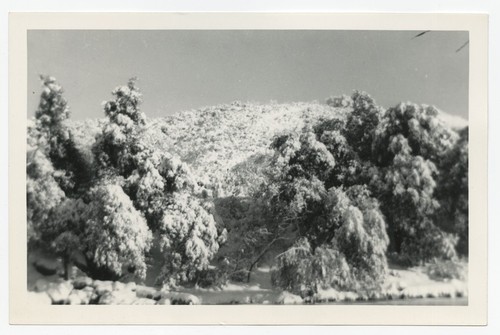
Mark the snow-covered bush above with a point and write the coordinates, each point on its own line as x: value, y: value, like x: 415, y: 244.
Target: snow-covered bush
x: 408, y: 201
x: 163, y: 188
x: 446, y: 270
x: 294, y: 272
x: 301, y: 271
x: 298, y: 170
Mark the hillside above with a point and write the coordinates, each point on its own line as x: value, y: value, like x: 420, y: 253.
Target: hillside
x: 224, y: 145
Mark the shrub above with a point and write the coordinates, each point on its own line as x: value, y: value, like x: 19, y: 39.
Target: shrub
x: 446, y: 270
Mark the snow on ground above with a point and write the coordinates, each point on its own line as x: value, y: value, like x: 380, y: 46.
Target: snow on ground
x: 405, y: 285
x: 402, y: 286
x: 258, y: 291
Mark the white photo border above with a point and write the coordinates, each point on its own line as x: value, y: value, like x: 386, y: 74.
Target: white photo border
x: 475, y: 313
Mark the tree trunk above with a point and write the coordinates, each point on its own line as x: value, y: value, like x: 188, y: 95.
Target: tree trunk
x: 67, y: 266
x: 266, y: 249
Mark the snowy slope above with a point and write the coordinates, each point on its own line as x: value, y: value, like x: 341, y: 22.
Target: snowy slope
x: 225, y: 145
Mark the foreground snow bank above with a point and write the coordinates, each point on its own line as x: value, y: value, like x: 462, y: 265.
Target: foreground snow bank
x: 402, y: 286
x: 85, y: 291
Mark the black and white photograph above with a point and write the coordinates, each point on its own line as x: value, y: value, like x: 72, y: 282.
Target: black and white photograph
x: 305, y: 167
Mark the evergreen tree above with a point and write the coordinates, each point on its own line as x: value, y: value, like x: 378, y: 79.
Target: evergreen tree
x: 115, y: 147
x: 159, y: 186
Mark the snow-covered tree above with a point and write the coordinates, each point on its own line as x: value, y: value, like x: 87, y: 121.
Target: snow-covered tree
x: 55, y: 168
x: 114, y: 147
x: 160, y: 186
x: 354, y: 258
x: 453, y: 191
x: 64, y: 232
x: 298, y: 170
x: 52, y: 111
x: 341, y: 235
x: 362, y: 124
x: 426, y: 134
x: 42, y: 189
x: 407, y: 193
x: 105, y: 228
x: 116, y: 235
x: 188, y: 239
x: 56, y: 140
x: 410, y: 145
x: 362, y: 236
x: 348, y: 169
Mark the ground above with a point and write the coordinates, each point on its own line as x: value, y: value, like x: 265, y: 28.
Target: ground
x: 412, y: 286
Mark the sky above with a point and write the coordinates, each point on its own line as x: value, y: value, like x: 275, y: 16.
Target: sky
x: 188, y: 69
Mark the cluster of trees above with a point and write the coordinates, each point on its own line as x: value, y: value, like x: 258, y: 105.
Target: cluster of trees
x: 114, y: 206
x: 327, y: 205
x: 357, y: 189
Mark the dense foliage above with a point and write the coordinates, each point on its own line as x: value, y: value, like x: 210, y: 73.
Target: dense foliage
x: 353, y: 257
x: 400, y: 161
x: 136, y: 196
x: 325, y: 194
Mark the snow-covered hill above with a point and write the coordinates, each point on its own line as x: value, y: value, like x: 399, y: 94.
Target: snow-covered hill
x: 215, y: 140
x: 222, y: 143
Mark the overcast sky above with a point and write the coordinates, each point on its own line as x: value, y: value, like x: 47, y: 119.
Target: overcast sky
x: 181, y: 70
